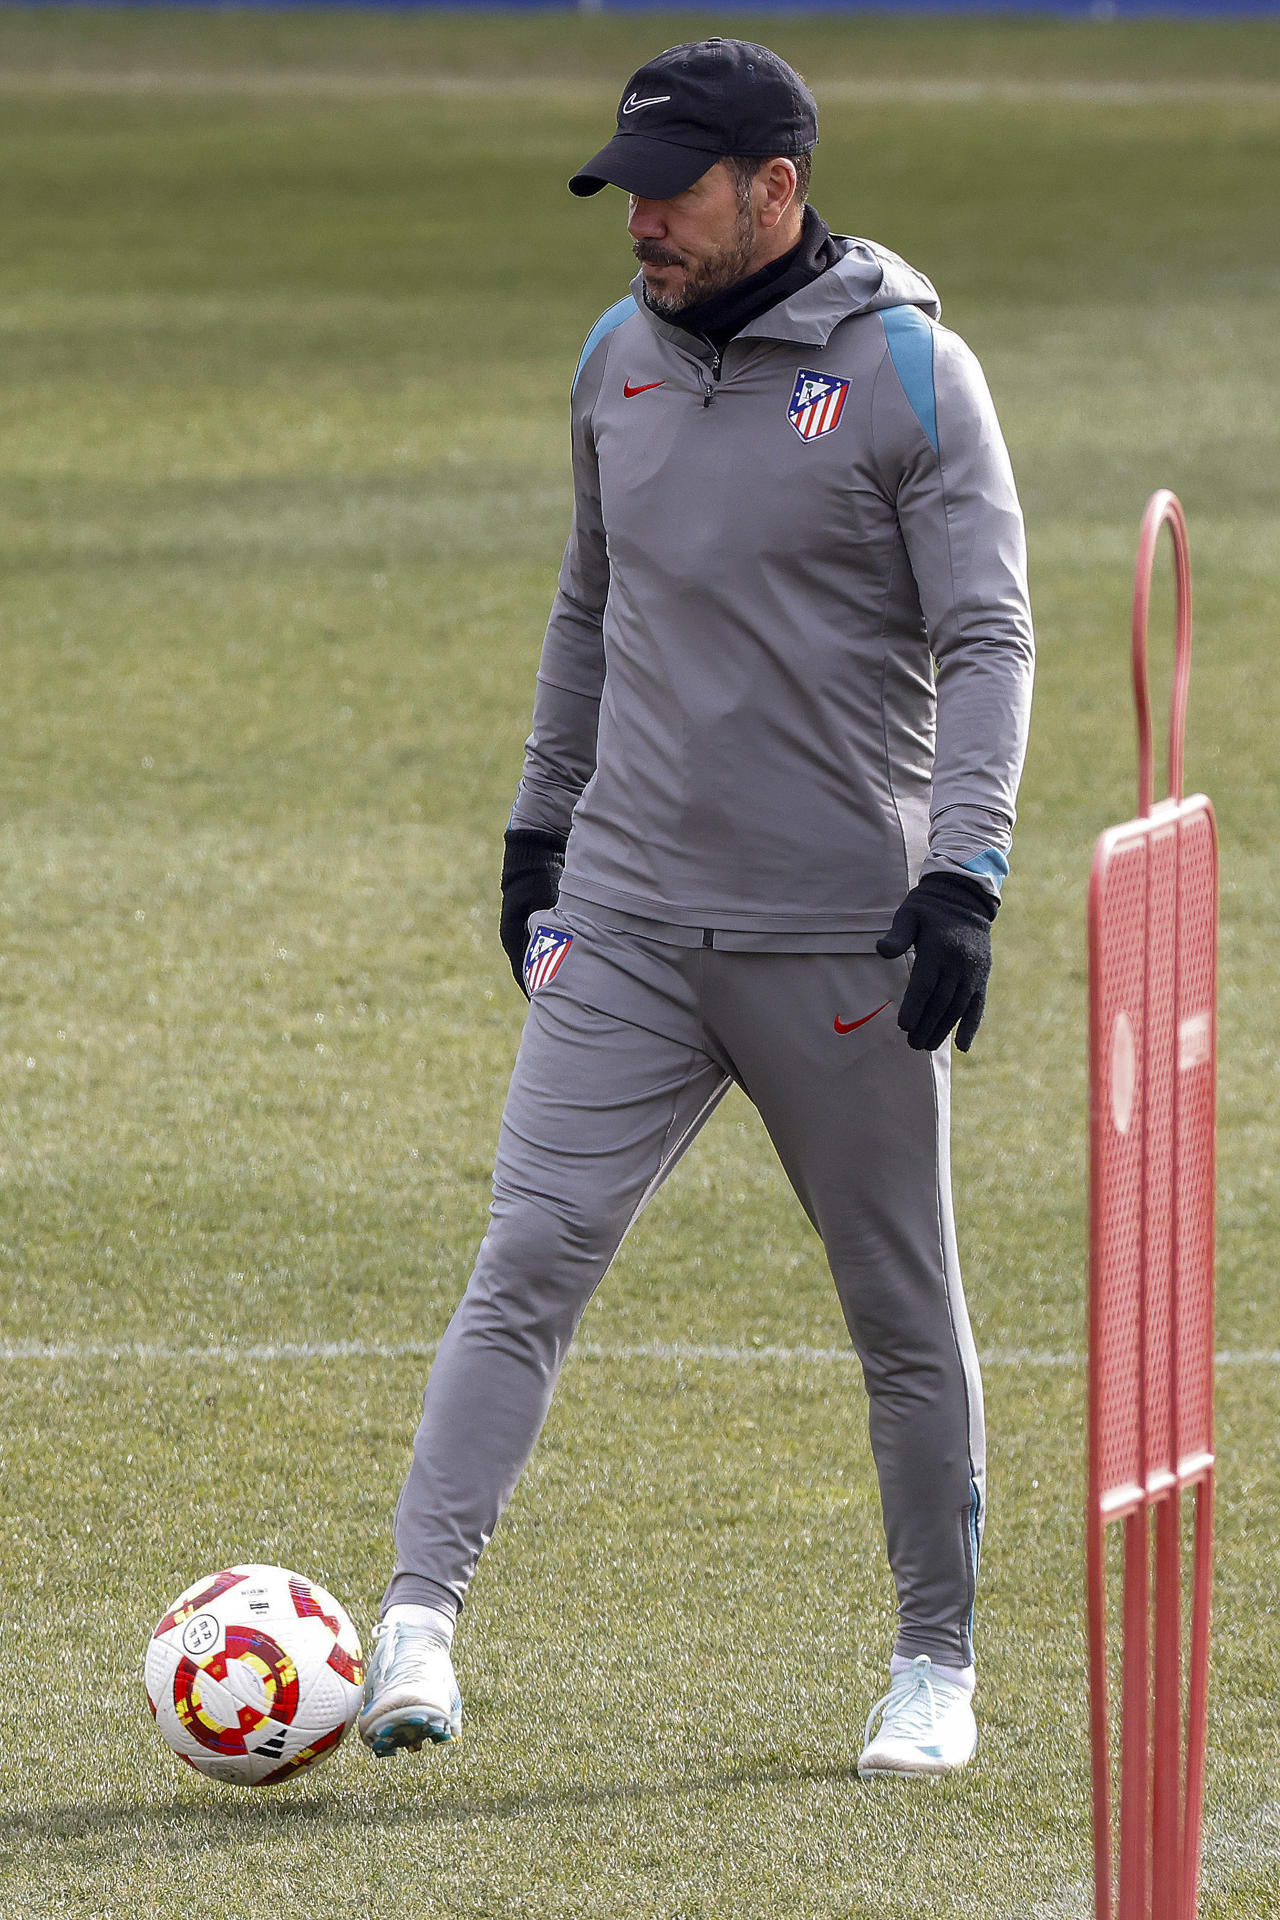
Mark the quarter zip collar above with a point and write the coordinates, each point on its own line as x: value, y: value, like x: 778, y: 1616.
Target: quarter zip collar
x: 721, y: 317
x: 864, y: 279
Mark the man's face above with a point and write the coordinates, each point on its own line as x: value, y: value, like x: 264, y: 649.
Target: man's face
x: 696, y: 244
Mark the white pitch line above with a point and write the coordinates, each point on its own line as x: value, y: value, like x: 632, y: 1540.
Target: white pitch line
x: 804, y: 1356
x: 1071, y: 1902
x: 303, y: 83
x: 1227, y: 1852
x: 249, y: 1352
x: 1255, y: 1844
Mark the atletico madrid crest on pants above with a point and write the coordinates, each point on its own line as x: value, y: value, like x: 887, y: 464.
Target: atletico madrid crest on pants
x: 817, y: 401
x: 547, y: 949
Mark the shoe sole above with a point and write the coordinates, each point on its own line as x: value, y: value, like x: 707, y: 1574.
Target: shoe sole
x: 909, y: 1773
x: 408, y: 1732
x: 938, y: 1771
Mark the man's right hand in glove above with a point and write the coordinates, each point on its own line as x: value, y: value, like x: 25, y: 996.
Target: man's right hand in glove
x: 531, y: 869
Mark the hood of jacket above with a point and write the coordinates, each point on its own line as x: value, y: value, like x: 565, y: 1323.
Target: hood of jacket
x: 865, y: 279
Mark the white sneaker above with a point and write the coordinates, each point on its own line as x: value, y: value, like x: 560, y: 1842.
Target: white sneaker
x: 927, y: 1725
x: 410, y: 1693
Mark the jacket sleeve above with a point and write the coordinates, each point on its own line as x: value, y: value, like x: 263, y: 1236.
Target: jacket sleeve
x: 560, y: 753
x: 962, y: 526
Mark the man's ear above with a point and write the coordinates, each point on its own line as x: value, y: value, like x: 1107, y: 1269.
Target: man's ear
x: 774, y: 190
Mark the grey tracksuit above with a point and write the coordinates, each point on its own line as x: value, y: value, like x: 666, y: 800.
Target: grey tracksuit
x: 773, y: 559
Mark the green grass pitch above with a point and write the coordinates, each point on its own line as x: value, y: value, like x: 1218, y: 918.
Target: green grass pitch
x: 288, y: 310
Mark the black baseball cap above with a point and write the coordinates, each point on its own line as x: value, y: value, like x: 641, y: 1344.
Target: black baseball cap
x: 686, y: 109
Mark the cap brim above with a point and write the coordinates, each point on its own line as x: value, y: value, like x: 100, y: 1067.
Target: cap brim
x: 655, y: 169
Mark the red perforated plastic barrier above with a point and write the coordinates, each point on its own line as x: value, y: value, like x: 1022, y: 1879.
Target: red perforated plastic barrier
x: 1153, y: 968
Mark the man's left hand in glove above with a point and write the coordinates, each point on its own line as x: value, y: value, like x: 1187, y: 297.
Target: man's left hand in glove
x: 948, y: 922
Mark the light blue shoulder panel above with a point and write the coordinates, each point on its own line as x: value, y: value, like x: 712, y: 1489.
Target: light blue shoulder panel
x: 910, y: 337
x: 621, y: 311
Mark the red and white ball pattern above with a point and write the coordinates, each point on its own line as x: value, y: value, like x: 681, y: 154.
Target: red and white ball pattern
x: 253, y: 1674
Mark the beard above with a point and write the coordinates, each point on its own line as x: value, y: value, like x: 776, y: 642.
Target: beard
x: 713, y: 274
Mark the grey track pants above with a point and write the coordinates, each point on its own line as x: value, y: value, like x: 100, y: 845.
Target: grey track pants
x: 627, y: 1049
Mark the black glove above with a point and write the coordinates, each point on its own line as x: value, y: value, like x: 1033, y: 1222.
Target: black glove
x: 531, y: 869
x: 948, y: 922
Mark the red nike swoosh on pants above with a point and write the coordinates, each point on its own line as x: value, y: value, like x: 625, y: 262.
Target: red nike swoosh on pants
x: 630, y: 392
x: 842, y: 1027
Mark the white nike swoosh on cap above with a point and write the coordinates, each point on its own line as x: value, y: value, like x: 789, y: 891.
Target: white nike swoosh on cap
x: 632, y: 105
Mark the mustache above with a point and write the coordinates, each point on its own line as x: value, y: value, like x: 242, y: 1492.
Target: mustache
x: 651, y: 253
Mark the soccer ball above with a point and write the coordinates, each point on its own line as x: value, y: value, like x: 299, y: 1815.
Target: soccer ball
x: 253, y: 1674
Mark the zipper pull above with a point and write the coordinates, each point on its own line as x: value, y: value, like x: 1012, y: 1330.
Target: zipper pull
x: 708, y: 390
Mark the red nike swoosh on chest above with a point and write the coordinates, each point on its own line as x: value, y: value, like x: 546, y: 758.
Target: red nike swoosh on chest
x: 847, y: 1027
x: 630, y: 392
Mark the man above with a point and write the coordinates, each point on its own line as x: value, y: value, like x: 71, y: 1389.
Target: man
x: 795, y: 536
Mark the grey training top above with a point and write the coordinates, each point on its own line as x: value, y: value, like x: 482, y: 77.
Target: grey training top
x: 772, y: 562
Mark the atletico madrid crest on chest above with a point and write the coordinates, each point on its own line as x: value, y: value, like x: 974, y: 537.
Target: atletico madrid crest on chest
x: 817, y: 401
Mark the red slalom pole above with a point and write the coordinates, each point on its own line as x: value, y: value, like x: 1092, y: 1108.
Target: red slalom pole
x: 1198, y: 1704
x: 1152, y: 1111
